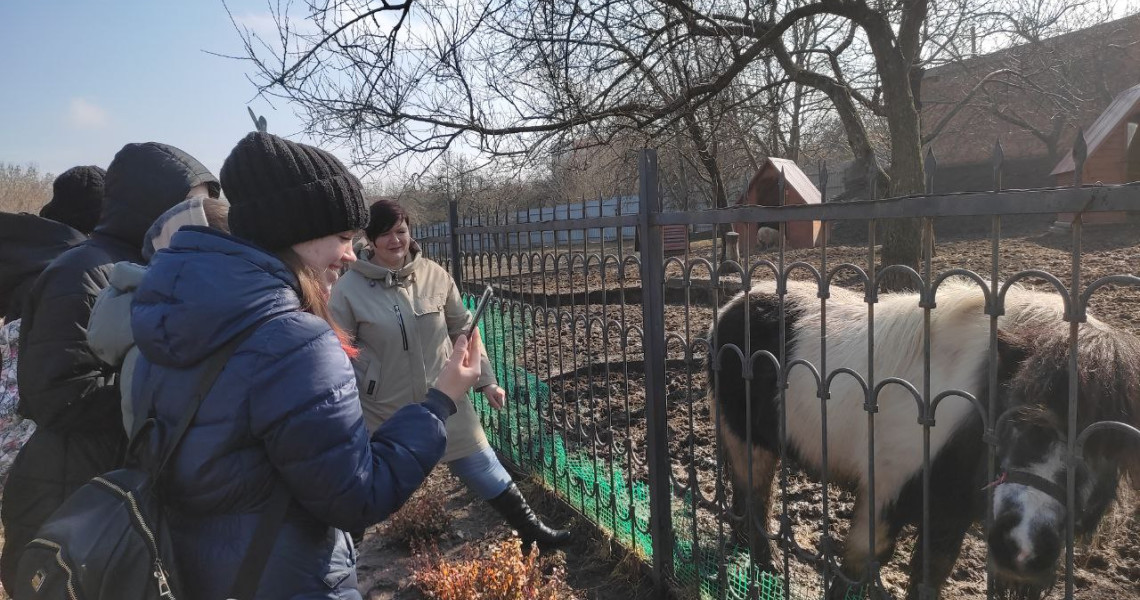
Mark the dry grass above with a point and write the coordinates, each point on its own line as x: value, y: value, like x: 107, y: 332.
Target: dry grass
x: 504, y: 574
x: 421, y: 520
x: 1120, y: 529
x: 23, y: 189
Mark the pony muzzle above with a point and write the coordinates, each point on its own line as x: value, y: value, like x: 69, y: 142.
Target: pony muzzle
x: 1025, y: 548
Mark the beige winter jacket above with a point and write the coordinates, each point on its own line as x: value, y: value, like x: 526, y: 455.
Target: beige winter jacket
x: 405, y: 322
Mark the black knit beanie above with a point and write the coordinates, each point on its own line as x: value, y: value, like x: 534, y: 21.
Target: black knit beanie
x: 77, y: 198
x: 283, y: 193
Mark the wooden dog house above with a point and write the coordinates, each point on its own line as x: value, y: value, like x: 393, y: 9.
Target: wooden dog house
x: 1113, y: 142
x: 763, y: 189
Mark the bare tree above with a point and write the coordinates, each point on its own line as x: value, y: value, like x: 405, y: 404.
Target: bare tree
x: 523, y: 80
x: 23, y: 189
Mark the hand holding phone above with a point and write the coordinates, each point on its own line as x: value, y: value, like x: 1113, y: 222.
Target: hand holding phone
x: 484, y: 300
x: 462, y: 370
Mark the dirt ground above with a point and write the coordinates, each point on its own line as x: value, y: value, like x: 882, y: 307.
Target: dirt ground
x: 596, y: 379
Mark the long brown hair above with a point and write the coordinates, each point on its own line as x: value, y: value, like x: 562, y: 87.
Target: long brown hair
x: 315, y: 298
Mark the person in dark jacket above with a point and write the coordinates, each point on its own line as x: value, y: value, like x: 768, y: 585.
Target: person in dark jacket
x: 72, y: 396
x: 28, y: 243
x: 286, y: 408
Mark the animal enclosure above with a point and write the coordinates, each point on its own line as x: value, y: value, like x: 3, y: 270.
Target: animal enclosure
x: 606, y: 356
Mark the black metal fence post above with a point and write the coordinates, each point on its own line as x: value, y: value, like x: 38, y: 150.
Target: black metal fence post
x: 656, y: 410
x: 453, y: 219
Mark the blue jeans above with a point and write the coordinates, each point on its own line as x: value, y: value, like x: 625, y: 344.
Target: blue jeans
x: 482, y: 473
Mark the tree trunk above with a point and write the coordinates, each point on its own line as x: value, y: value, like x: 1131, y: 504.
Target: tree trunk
x: 894, y: 58
x: 708, y: 159
x: 902, y: 238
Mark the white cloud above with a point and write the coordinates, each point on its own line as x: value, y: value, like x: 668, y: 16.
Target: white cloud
x: 84, y: 114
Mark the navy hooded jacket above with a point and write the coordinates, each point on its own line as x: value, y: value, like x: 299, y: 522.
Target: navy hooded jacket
x: 285, y: 408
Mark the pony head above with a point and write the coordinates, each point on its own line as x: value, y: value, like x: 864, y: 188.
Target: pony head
x: 1034, y: 449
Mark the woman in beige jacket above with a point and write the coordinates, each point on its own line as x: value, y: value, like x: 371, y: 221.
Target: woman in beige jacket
x: 405, y: 311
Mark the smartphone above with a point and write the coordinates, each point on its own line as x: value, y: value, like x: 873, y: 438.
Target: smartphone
x: 479, y: 310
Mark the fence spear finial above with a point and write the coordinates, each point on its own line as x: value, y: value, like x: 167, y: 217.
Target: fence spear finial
x: 823, y: 181
x: 930, y: 165
x: 1080, y: 154
x: 781, y: 185
x: 998, y: 159
x: 873, y: 177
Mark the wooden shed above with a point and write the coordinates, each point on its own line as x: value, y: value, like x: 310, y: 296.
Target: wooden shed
x: 763, y: 189
x: 1113, y: 154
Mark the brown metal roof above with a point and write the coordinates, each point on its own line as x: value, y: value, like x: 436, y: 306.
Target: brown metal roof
x: 1121, y: 108
x: 796, y: 179
x: 1101, y: 61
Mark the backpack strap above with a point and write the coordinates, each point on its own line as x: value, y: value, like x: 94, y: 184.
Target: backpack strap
x: 214, y: 366
x: 257, y: 555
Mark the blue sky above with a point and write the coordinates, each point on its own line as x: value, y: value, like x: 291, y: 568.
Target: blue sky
x: 82, y: 78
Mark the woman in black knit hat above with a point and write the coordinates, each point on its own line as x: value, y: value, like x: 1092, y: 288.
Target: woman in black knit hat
x: 285, y: 410
x: 77, y: 198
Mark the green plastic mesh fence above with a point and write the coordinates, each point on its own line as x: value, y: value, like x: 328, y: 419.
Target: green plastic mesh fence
x: 701, y: 568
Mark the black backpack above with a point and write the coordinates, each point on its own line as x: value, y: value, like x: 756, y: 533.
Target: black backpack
x: 109, y: 539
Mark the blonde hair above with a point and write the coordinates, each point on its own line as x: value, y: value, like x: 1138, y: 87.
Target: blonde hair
x: 217, y: 214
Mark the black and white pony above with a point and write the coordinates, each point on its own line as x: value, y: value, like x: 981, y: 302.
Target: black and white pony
x: 1027, y: 536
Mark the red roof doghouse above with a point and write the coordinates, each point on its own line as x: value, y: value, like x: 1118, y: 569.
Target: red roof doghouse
x: 1113, y: 154
x: 763, y: 190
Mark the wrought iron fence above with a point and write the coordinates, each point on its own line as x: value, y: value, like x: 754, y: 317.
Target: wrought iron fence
x: 609, y: 402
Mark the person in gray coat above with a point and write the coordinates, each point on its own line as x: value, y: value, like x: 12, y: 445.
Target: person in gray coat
x: 109, y: 331
x: 405, y: 311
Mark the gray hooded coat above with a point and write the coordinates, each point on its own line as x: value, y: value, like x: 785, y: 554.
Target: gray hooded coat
x: 109, y: 330
x: 404, y: 323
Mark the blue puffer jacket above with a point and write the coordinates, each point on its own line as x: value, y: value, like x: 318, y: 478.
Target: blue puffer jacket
x: 285, y: 408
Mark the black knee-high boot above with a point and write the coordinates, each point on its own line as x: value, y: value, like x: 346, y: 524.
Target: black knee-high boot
x: 521, y: 517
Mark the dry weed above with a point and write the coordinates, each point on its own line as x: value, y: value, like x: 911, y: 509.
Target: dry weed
x: 419, y: 523
x: 505, y: 574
